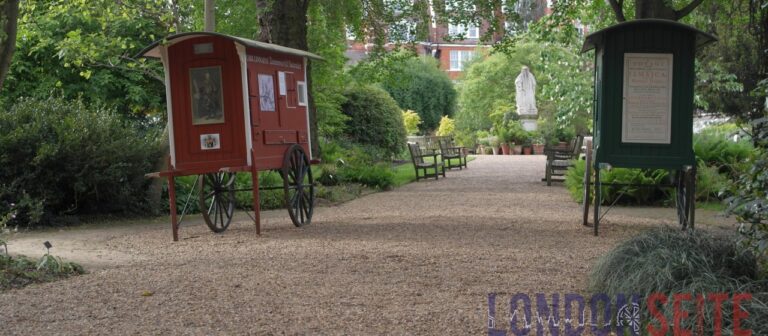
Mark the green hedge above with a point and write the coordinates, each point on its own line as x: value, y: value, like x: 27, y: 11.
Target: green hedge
x: 61, y: 158
x: 374, y: 119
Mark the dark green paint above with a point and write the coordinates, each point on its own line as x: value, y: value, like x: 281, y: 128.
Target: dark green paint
x: 644, y: 36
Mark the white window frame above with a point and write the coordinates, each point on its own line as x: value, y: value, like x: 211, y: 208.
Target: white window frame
x: 301, y: 92
x: 459, y: 57
x: 471, y: 32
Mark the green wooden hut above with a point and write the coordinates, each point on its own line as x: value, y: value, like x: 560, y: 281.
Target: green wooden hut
x: 643, y: 100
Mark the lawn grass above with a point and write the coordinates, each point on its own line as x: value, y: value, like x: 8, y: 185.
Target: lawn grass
x: 20, y: 271
x: 405, y: 173
x: 714, y: 206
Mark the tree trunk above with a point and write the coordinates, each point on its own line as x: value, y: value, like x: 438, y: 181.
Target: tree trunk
x: 9, y: 15
x: 209, y: 16
x: 654, y: 9
x: 285, y: 23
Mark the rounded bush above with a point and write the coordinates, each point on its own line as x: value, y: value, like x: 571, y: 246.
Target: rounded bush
x: 59, y: 157
x: 374, y: 118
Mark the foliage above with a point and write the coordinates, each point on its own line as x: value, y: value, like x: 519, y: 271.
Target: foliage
x: 729, y: 71
x: 326, y: 36
x: 378, y: 175
x: 564, y: 89
x: 574, y: 181
x: 749, y: 196
x: 447, y: 126
x: 60, y: 157
x: 84, y: 49
x: 374, y: 119
x: 416, y: 83
x: 669, y: 261
x: 411, y: 122
x: 715, y: 147
x: 17, y: 272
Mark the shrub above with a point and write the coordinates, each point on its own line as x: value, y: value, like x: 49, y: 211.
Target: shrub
x: 59, y: 157
x: 416, y: 83
x: 574, y: 182
x: 749, y: 196
x: 17, y: 272
x: 447, y: 126
x: 669, y: 261
x: 411, y: 121
x: 716, y: 149
x: 375, y: 119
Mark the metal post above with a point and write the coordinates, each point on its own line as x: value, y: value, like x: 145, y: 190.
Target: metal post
x: 587, y: 183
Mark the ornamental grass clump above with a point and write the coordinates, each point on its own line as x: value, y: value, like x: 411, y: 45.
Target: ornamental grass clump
x: 669, y: 261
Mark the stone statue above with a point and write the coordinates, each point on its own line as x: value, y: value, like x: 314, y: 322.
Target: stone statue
x: 525, y: 92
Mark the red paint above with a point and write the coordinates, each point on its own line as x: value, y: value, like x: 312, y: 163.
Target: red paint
x: 718, y: 299
x: 679, y: 314
x: 740, y: 314
x: 188, y: 152
x: 657, y: 315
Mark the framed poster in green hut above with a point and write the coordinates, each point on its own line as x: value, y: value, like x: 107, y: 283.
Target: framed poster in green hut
x: 644, y: 78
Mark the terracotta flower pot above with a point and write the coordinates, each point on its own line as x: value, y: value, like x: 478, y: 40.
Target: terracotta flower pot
x: 505, y: 148
x: 538, y: 149
x: 527, y: 150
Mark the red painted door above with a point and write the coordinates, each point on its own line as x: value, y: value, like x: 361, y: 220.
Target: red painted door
x: 206, y: 94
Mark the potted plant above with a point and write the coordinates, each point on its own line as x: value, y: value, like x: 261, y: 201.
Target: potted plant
x: 517, y: 135
x: 527, y: 144
x: 495, y: 145
x: 504, y: 135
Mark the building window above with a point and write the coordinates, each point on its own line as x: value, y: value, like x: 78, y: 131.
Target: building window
x: 462, y: 30
x: 459, y: 58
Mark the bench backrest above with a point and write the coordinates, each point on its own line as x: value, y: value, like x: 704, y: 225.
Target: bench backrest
x: 416, y: 155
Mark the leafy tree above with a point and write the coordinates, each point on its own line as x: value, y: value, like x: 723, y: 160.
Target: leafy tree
x: 84, y: 49
x: 564, y: 85
x: 416, y: 83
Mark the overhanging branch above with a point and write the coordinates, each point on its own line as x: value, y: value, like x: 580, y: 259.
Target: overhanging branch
x: 688, y: 9
x: 618, y: 10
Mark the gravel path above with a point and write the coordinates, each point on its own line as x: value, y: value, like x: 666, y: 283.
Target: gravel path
x: 418, y: 260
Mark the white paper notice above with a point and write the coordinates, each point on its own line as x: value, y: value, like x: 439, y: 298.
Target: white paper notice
x: 281, y: 82
x: 647, y: 112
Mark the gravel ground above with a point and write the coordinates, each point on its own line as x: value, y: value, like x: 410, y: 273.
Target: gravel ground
x: 418, y: 260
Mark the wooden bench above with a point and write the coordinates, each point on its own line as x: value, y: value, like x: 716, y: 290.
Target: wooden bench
x: 419, y: 164
x: 449, y: 152
x: 560, y: 158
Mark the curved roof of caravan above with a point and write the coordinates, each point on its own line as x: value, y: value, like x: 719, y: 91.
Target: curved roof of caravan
x: 152, y: 51
x: 592, y: 40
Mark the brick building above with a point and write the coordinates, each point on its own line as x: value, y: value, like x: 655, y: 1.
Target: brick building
x: 445, y: 42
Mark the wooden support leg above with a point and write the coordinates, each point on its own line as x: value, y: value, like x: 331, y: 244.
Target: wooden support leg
x: 598, y: 199
x: 692, y: 196
x: 256, y: 202
x: 172, y: 204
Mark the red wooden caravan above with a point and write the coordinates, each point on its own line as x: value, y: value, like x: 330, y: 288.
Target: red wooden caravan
x: 235, y: 105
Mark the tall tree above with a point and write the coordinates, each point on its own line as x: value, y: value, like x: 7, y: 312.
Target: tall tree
x: 9, y: 13
x: 656, y: 9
